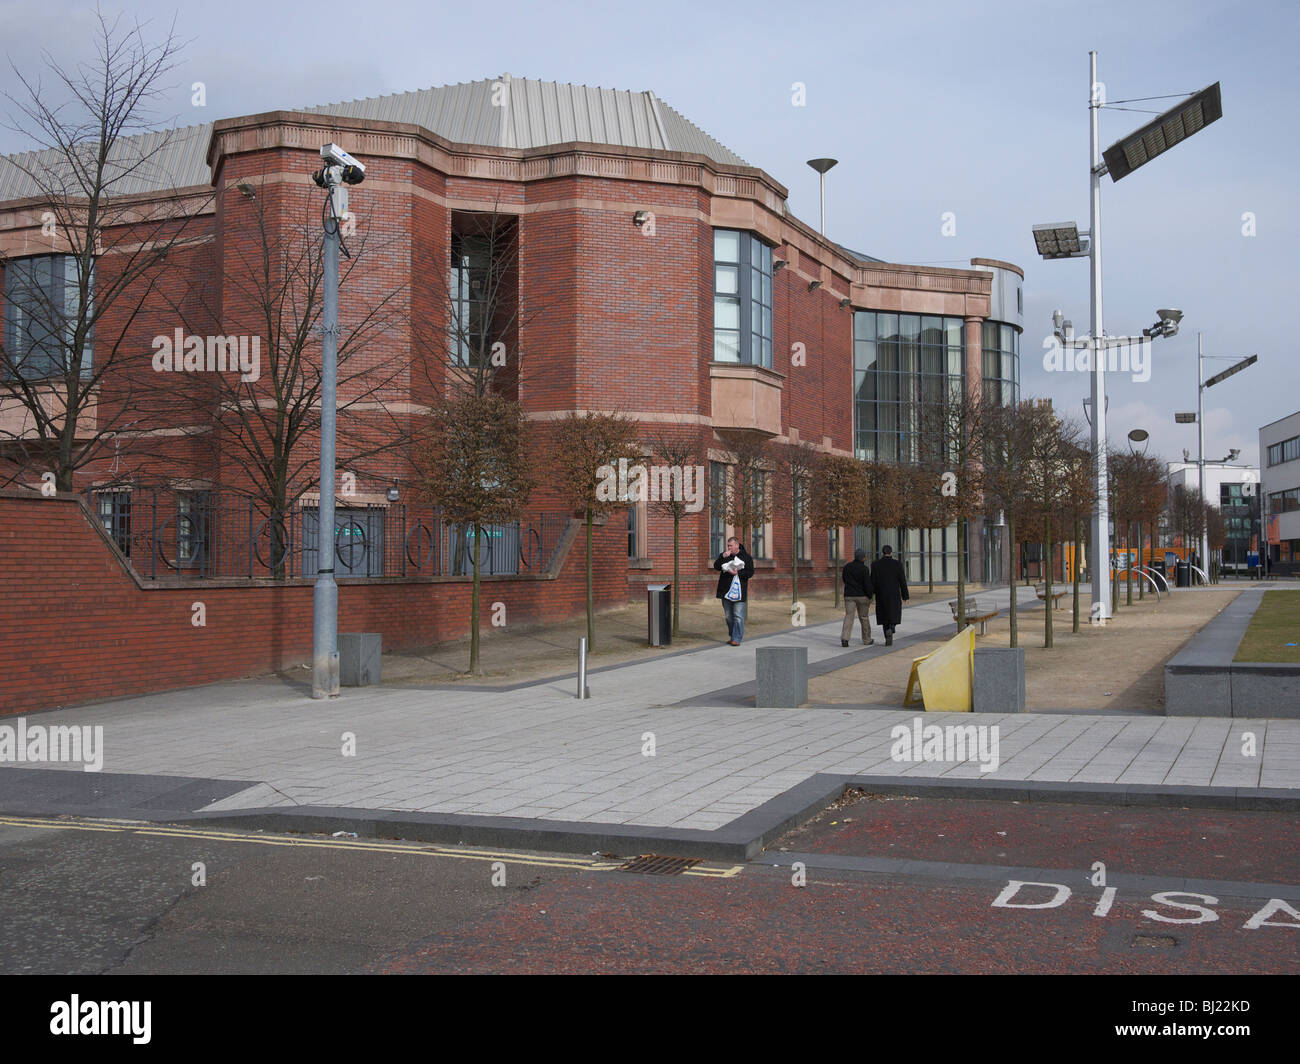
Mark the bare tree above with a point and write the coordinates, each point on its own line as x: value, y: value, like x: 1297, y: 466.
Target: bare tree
x: 953, y: 441
x: 795, y: 464
x: 679, y: 453
x: 839, y: 499
x: 1009, y: 444
x: 266, y: 423
x: 583, y: 450
x: 64, y: 361
x: 1053, y: 444
x: 746, y: 501
x: 478, y: 472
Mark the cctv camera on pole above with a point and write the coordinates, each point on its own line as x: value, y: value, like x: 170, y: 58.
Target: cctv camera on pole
x: 339, y: 171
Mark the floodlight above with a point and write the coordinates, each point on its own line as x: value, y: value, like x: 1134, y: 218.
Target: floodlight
x: 1058, y: 240
x: 1163, y: 132
x: 1185, y: 418
x: 1220, y: 377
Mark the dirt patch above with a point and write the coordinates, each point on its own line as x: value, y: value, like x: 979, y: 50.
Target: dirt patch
x: 1116, y: 666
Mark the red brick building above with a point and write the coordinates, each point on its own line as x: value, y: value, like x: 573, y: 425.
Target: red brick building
x: 656, y: 274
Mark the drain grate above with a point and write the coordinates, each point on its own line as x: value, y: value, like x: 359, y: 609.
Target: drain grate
x: 651, y: 864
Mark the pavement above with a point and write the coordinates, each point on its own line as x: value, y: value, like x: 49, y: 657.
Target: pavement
x: 668, y: 754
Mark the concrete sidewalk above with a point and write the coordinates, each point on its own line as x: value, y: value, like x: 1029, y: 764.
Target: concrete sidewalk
x: 458, y: 756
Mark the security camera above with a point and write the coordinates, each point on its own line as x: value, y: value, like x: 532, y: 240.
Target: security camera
x: 340, y: 166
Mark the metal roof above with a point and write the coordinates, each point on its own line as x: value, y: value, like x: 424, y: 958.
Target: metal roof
x: 504, y: 112
x: 510, y: 112
x: 147, y: 162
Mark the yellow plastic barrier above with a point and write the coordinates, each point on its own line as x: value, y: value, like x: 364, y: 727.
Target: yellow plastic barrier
x: 944, y: 678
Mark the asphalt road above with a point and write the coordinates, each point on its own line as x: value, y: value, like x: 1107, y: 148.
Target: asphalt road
x: 876, y: 885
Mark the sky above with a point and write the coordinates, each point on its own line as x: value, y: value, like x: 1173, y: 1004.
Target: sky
x: 943, y: 111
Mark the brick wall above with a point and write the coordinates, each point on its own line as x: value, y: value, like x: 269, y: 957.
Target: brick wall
x: 77, y: 626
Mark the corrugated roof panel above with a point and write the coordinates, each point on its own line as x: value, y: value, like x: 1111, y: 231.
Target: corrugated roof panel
x: 147, y: 162
x: 540, y: 113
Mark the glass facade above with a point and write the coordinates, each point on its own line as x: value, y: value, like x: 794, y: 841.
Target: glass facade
x: 1000, y: 347
x: 742, y: 298
x: 902, y: 363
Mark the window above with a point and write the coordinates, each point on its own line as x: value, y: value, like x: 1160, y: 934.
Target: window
x: 114, y: 510
x: 800, y: 518
x: 717, y: 508
x: 193, y: 539
x: 758, y: 534
x: 742, y: 298
x: 904, y: 365
x: 1281, y: 502
x: 1286, y: 451
x: 41, y: 310
x: 469, y: 309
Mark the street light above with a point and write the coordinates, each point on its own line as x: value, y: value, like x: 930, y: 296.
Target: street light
x: 1063, y: 240
x: 1138, y: 436
x: 1188, y: 418
x: 821, y: 166
x: 1163, y: 132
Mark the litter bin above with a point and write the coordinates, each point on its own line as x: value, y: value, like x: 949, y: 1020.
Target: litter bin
x: 1184, y: 574
x: 659, y: 610
x: 1158, y: 566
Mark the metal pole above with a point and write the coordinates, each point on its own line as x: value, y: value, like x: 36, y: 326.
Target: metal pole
x: 1200, y: 455
x: 823, y: 186
x: 583, y: 692
x: 1099, y: 548
x: 325, y: 596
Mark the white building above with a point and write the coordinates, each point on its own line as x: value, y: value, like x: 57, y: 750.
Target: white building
x: 1279, y: 450
x: 1234, y: 489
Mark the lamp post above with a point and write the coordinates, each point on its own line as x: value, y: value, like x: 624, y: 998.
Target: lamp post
x: 821, y: 166
x: 339, y: 171
x: 1064, y: 241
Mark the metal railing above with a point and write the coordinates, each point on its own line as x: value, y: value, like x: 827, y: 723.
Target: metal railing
x: 200, y: 534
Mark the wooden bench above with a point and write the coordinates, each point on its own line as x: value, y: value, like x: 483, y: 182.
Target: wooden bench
x: 1041, y: 592
x: 973, y: 614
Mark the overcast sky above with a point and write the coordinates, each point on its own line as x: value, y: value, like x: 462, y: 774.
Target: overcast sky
x: 930, y: 108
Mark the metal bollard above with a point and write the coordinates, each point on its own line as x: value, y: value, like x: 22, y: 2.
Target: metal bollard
x: 583, y: 690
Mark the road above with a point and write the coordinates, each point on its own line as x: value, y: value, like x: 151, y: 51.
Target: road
x: 872, y: 885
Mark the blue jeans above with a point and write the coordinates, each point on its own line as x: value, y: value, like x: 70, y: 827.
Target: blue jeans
x: 735, y: 614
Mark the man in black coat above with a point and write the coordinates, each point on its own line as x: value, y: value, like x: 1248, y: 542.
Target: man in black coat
x: 734, y: 562
x: 857, y: 598
x: 890, y: 585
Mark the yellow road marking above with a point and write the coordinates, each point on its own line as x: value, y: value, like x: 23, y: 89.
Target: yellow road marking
x: 144, y: 827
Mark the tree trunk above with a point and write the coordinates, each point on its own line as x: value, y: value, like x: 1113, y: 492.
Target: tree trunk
x: 1078, y: 542
x: 474, y: 668
x: 835, y: 576
x: 1128, y: 547
x: 794, y: 556
x: 1047, y: 584
x: 961, y: 573
x: 1140, y: 560
x: 677, y: 573
x: 591, y: 601
x: 1011, y: 584
x: 929, y: 561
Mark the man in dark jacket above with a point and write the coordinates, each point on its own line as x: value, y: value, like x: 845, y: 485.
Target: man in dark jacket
x: 857, y: 599
x: 890, y: 585
x: 736, y: 567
